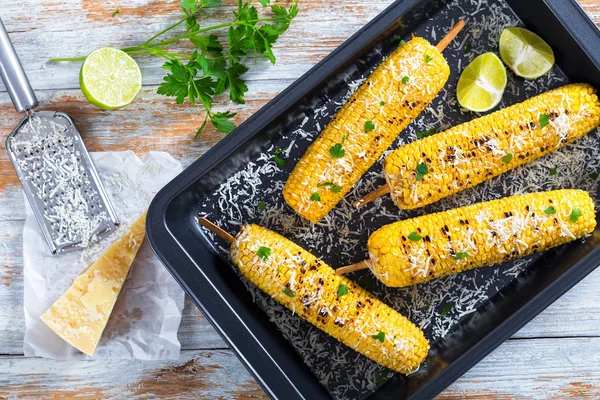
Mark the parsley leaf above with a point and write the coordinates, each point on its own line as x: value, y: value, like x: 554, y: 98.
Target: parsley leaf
x: 369, y: 126
x: 415, y: 237
x: 288, y: 292
x: 507, y: 158
x: 446, y: 309
x: 422, y: 169
x: 550, y: 210
x: 261, y: 205
x: 264, y: 3
x: 552, y: 171
x: 278, y: 160
x: 424, y: 134
x: 380, y: 336
x: 365, y: 282
x: 461, y: 255
x: 468, y: 47
x: 382, y: 103
x: 334, y: 188
x: 381, y: 376
x: 263, y: 253
x: 117, y: 12
x: 544, y: 120
x: 337, y: 151
x: 208, y: 43
x: 220, y: 120
x: 315, y: 196
x: 428, y: 58
x: 593, y: 175
x: 401, y: 43
x: 575, y: 214
x: 405, y: 80
x: 342, y: 290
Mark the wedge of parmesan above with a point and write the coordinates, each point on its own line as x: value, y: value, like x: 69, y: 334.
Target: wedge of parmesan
x: 80, y: 315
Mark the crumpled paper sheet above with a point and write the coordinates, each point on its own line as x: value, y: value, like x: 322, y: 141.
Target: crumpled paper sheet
x: 146, y: 317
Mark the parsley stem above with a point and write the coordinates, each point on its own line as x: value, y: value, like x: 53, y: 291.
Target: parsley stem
x: 57, y: 59
x: 164, y: 31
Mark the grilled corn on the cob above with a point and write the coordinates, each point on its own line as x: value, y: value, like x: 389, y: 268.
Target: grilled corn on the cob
x: 426, y: 170
x: 419, y: 249
x: 395, y: 93
x: 334, y: 304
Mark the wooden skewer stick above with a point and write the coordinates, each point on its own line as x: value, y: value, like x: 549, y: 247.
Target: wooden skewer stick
x: 385, y: 189
x: 450, y: 35
x: 351, y: 268
x: 216, y: 230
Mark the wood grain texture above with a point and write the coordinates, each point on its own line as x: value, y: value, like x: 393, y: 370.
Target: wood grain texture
x: 556, y: 355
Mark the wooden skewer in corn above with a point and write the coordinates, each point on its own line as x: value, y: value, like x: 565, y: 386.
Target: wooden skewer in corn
x: 385, y: 189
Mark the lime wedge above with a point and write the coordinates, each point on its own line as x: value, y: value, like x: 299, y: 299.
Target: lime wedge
x: 525, y: 53
x: 482, y: 83
x: 110, y: 78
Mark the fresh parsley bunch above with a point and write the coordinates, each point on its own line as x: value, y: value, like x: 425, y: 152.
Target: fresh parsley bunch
x: 213, y: 69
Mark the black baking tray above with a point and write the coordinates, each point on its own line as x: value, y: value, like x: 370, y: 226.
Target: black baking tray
x: 199, y: 263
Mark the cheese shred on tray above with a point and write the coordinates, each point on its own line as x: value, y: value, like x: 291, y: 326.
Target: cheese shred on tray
x: 80, y: 315
x: 310, y: 288
x: 390, y: 98
x: 431, y: 246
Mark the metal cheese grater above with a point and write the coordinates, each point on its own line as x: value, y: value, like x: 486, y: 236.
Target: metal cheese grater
x: 53, y: 165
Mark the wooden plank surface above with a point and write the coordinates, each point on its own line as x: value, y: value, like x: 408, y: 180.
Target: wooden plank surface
x: 555, y: 355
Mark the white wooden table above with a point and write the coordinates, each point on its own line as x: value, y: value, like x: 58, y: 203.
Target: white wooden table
x: 556, y: 355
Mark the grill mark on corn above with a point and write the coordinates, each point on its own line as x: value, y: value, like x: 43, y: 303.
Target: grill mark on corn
x: 497, y: 231
x: 403, y: 102
x: 473, y: 152
x: 353, y: 318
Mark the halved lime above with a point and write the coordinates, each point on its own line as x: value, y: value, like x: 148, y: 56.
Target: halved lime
x: 482, y: 83
x: 524, y: 52
x: 110, y: 78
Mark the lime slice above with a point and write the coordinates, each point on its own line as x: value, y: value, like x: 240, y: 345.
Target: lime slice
x: 482, y: 83
x: 110, y: 78
x: 525, y: 53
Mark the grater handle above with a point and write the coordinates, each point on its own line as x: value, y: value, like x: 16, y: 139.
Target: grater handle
x: 13, y: 75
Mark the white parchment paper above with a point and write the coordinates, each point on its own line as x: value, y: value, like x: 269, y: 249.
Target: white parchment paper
x: 146, y: 317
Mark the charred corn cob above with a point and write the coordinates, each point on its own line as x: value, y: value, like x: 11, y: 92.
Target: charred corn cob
x: 419, y: 249
x: 334, y: 304
x: 429, y: 169
x: 395, y: 93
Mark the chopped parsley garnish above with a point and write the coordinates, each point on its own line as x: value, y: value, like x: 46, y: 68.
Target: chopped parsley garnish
x: 334, y: 188
x: 415, y: 237
x: 575, y: 214
x: 261, y: 206
x: 380, y: 336
x: 422, y: 169
x: 468, y: 47
x: 381, y: 376
x: 593, y: 175
x: 405, y: 80
x: 117, y: 12
x: 315, y: 196
x: 550, y: 210
x: 382, y: 103
x: 369, y: 126
x: 401, y: 43
x: 552, y: 171
x: 424, y: 134
x: 263, y: 253
x: 288, y: 292
x: 544, y: 120
x: 507, y: 158
x: 446, y: 309
x: 428, y: 58
x: 365, y: 282
x: 337, y: 151
x: 278, y: 160
x: 461, y: 255
x: 342, y: 290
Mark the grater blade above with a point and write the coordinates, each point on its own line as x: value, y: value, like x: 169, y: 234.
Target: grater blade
x: 60, y: 181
